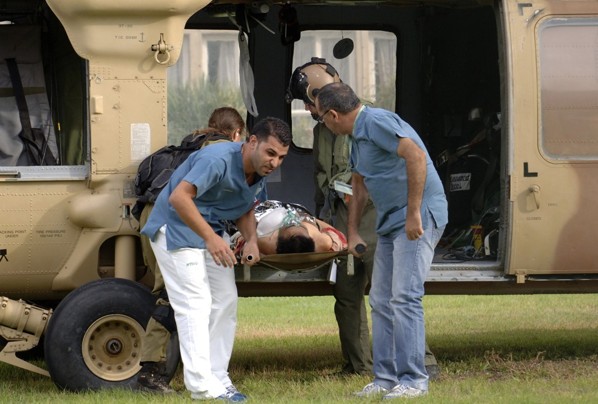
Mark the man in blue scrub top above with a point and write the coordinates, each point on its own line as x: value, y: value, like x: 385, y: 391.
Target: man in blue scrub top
x: 391, y: 164
x: 186, y: 228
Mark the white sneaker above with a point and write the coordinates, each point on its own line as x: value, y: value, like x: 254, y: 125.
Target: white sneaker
x: 371, y: 390
x: 402, y: 391
x: 233, y: 393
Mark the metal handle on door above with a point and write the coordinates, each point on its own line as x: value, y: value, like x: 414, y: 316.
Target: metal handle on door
x: 535, y: 190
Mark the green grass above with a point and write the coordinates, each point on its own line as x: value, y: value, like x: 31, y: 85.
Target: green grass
x: 492, y: 349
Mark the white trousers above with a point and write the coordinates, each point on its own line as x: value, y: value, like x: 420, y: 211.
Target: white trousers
x: 204, y: 298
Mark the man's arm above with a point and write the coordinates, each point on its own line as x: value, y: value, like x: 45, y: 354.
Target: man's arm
x: 415, y: 159
x: 356, y: 205
x: 247, y: 226
x: 181, y: 200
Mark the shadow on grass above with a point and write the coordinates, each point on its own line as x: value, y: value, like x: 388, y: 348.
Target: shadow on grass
x: 524, y: 348
x: 520, y: 344
x: 309, y: 354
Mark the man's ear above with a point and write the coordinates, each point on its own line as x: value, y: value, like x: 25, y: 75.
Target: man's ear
x: 252, y: 140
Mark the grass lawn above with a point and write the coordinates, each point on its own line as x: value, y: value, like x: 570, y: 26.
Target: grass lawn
x: 492, y: 349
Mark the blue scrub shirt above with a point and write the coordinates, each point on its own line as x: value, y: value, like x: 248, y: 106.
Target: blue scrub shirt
x: 222, y: 194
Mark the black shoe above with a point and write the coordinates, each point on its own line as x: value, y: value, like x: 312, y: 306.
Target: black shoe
x: 152, y: 379
x: 433, y: 371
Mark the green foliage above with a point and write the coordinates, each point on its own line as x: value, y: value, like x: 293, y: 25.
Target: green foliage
x: 190, y: 106
x: 386, y: 95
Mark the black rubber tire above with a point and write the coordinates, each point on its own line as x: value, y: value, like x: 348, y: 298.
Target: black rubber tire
x: 93, y: 337
x: 173, y: 356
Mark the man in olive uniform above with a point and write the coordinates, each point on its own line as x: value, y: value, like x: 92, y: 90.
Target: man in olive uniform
x: 332, y: 175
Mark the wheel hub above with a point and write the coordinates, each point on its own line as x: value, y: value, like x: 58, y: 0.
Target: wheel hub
x: 111, y: 347
x: 114, y: 346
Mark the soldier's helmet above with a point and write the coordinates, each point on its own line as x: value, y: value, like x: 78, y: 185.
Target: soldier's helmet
x: 309, y: 78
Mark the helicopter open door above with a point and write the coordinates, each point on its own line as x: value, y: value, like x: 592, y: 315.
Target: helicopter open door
x: 554, y: 169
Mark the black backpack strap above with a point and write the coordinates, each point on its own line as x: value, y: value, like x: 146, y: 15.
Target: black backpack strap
x: 35, y: 142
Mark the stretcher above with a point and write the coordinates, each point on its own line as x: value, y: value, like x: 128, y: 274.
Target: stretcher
x: 304, y: 262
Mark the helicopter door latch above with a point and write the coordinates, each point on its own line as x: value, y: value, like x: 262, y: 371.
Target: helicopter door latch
x: 535, y: 190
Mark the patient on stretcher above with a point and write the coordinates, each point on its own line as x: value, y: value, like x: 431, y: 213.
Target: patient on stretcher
x: 284, y: 228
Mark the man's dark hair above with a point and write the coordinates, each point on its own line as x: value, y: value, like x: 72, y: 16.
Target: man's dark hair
x: 270, y: 126
x: 296, y: 243
x: 339, y: 97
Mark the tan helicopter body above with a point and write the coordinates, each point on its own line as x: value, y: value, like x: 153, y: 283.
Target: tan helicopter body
x: 503, y: 94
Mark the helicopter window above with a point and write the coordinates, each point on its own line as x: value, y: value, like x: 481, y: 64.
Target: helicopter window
x: 205, y: 77
x: 41, y: 103
x: 370, y: 69
x: 569, y: 88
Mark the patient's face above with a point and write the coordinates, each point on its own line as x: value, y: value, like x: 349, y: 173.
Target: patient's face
x: 290, y: 231
x: 294, y: 239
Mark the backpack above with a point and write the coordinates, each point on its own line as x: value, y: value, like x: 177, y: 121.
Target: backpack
x: 155, y: 170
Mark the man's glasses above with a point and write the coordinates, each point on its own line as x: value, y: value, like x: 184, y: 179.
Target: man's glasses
x: 321, y: 117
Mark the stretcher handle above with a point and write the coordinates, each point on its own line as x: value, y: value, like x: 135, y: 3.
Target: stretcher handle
x: 360, y: 248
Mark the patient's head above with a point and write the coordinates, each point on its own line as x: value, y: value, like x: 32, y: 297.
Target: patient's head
x: 294, y: 239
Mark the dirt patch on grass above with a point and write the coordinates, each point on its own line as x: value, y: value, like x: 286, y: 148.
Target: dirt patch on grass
x: 501, y: 367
